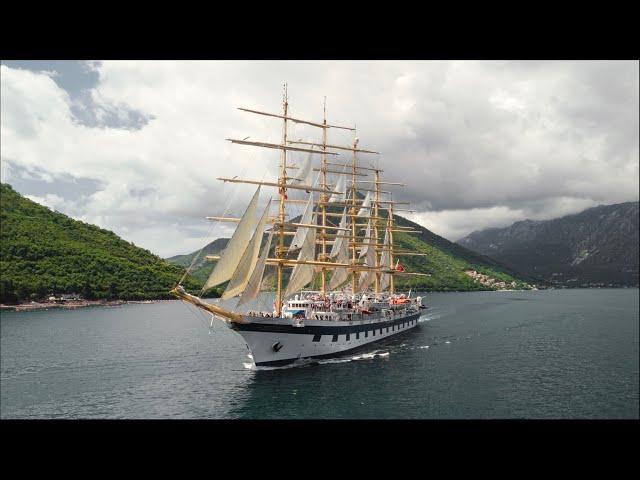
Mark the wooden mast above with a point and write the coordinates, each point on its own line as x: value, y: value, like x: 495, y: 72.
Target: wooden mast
x: 324, y: 198
x: 280, y: 251
x: 354, y: 258
x: 375, y: 228
x: 390, y: 223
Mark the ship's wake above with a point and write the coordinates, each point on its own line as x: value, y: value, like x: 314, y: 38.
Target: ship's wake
x: 305, y: 362
x: 431, y: 315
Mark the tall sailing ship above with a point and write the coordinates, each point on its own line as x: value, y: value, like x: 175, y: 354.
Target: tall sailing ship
x: 342, y: 244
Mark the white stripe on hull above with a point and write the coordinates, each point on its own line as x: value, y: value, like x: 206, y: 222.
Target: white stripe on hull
x: 298, y: 346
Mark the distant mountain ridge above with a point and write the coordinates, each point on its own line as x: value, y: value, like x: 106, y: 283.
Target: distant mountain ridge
x: 213, y: 248
x: 597, y: 247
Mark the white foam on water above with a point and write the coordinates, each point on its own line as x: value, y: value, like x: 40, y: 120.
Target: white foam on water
x: 447, y: 341
x: 309, y: 361
x: 295, y: 364
x: 364, y: 356
x: 334, y: 360
x: 428, y: 317
x: 424, y: 346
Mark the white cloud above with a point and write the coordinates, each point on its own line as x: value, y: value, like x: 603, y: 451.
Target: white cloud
x: 53, y: 202
x: 478, y: 143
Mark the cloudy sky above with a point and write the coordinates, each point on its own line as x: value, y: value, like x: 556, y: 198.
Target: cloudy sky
x: 136, y: 147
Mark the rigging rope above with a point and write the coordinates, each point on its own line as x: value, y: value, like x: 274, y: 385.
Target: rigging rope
x: 198, y: 313
x: 264, y: 173
x: 210, y: 232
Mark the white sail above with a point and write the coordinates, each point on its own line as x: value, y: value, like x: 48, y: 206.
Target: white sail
x: 315, y: 182
x: 367, y: 278
x: 342, y: 236
x: 249, y: 259
x: 341, y: 185
x: 385, y: 262
x: 301, y: 232
x: 340, y: 274
x: 366, y: 206
x: 231, y: 256
x: 367, y: 240
x: 253, y: 286
x: 302, y: 274
x: 306, y: 172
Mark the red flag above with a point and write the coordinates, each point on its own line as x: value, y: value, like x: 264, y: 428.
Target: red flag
x: 399, y: 268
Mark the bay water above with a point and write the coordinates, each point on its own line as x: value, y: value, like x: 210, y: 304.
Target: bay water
x: 510, y: 354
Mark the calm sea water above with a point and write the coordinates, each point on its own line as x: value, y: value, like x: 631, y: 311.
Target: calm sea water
x: 546, y: 354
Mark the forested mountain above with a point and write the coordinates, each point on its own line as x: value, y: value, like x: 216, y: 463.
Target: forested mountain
x: 44, y: 252
x: 597, y: 247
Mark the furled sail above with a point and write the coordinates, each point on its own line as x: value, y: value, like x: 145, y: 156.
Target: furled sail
x: 366, y: 206
x: 232, y: 255
x: 249, y: 259
x: 341, y: 185
x: 385, y: 261
x: 253, y: 286
x: 302, y: 274
x: 342, y: 236
x: 301, y: 232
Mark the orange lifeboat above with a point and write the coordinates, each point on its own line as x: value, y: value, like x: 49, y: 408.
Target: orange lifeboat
x: 399, y: 301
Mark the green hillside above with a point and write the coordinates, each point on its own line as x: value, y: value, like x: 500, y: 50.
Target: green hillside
x: 212, y: 248
x: 445, y: 262
x: 43, y: 252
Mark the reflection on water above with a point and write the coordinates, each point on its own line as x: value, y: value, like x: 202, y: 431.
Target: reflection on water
x: 553, y: 354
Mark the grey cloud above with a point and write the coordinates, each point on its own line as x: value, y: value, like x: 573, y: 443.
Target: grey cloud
x: 79, y: 79
x: 478, y: 143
